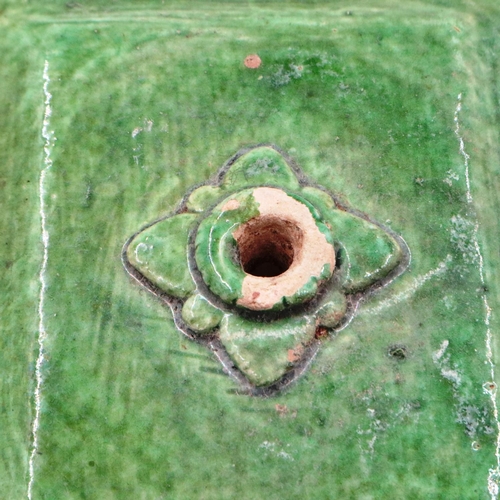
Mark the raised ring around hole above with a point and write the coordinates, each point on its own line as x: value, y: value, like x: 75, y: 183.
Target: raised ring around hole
x: 268, y: 245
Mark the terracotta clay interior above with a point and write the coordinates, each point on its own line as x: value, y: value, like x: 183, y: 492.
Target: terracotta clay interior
x: 280, y: 250
x: 268, y: 245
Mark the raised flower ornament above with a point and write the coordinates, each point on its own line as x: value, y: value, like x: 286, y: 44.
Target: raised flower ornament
x: 261, y: 266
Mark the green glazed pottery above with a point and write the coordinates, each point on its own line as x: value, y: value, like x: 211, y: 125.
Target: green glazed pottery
x: 249, y: 250
x: 265, y: 275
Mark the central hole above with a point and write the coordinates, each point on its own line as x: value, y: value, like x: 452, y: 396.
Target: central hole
x: 268, y: 245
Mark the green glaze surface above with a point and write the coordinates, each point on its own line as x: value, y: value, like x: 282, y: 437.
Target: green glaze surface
x: 391, y: 106
x: 199, y: 314
x: 264, y: 351
x: 332, y: 310
x: 216, y: 247
x: 159, y: 257
x: 368, y: 252
x: 203, y: 197
x: 159, y: 252
x: 260, y: 167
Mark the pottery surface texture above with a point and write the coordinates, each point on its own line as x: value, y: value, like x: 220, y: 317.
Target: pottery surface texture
x: 249, y: 250
x: 260, y: 275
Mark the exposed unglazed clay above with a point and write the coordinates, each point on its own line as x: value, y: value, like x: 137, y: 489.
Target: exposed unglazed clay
x: 285, y: 232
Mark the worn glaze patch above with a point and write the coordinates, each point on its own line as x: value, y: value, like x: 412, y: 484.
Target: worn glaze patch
x: 262, y: 266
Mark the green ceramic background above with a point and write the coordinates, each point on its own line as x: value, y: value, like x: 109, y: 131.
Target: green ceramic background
x: 130, y: 408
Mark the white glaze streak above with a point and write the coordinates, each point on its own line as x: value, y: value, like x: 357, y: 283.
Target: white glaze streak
x: 406, y: 294
x: 211, y: 242
x: 490, y: 387
x: 48, y: 137
x: 462, y: 148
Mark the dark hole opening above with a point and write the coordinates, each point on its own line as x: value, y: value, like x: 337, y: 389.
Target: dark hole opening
x: 268, y: 245
x: 266, y: 266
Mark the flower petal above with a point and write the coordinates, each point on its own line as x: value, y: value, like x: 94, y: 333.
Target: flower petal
x: 200, y: 315
x: 370, y: 252
x: 159, y: 252
x: 365, y: 250
x: 332, y: 310
x: 203, y: 197
x: 264, y: 352
x: 261, y: 166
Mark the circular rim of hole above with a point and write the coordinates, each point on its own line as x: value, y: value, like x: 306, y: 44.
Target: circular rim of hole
x: 268, y: 246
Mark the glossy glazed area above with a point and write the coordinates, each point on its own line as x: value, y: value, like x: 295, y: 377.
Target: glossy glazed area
x: 255, y: 322
x: 263, y: 231
x: 110, y: 113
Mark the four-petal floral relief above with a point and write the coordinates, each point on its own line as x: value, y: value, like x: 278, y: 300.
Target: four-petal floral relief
x: 262, y: 266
